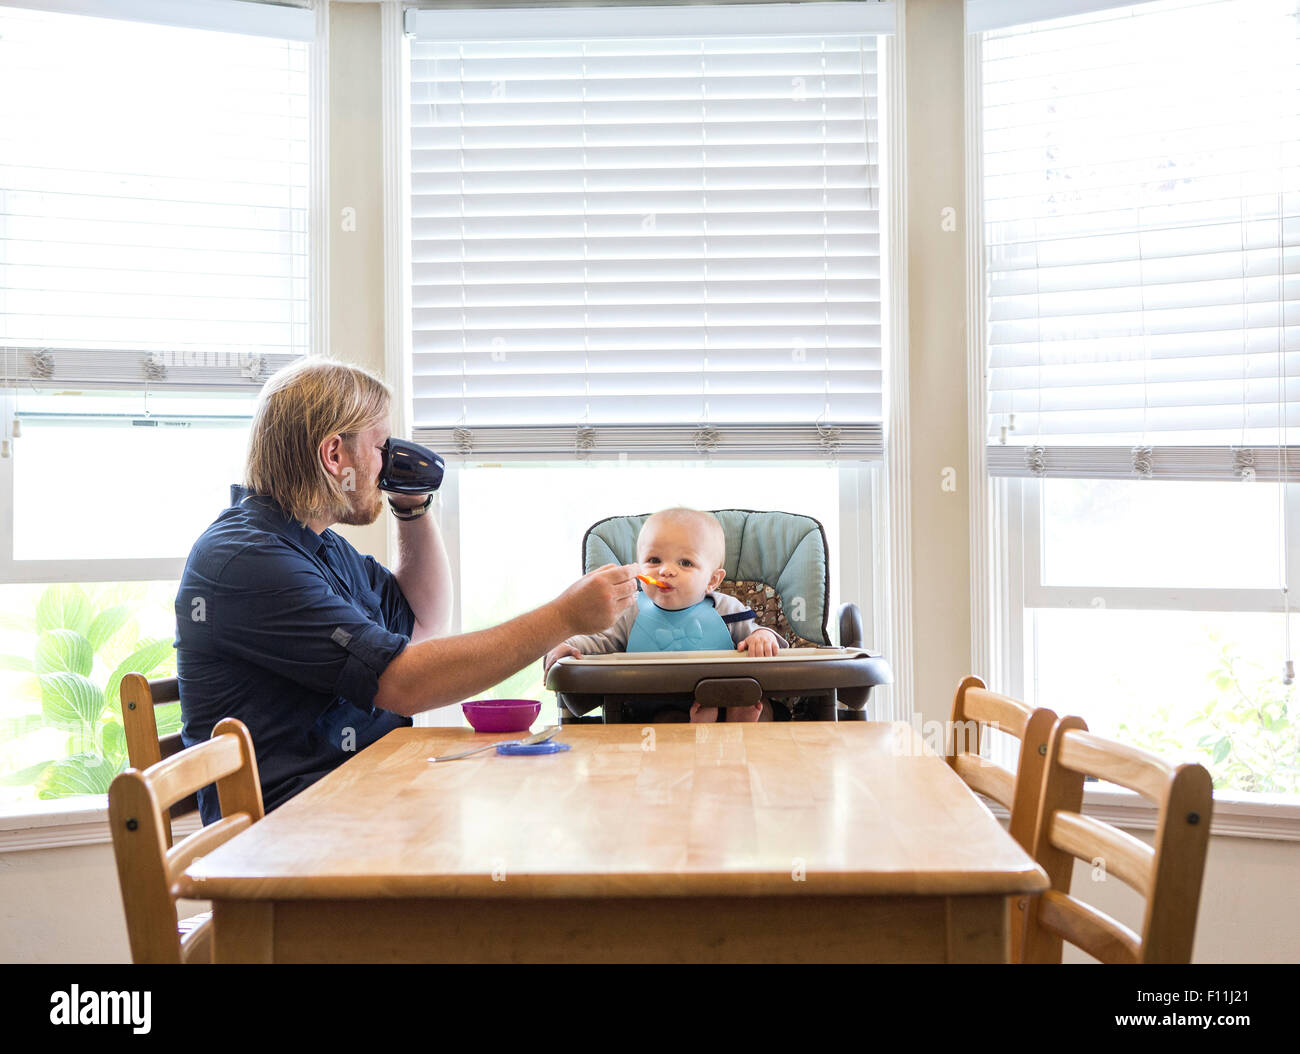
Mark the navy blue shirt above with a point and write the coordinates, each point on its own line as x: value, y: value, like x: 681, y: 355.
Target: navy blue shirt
x: 287, y: 630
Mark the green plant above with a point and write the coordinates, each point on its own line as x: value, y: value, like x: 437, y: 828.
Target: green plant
x: 1246, y: 732
x: 82, y: 642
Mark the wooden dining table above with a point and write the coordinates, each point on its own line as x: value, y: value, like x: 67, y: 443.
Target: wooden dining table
x: 770, y: 842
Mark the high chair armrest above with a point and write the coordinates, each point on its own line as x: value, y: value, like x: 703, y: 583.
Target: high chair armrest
x: 850, y: 626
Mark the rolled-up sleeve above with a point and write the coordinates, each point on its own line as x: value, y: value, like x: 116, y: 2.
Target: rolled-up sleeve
x: 274, y: 609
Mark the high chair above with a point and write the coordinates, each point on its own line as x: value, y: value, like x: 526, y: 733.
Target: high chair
x: 777, y: 564
x: 1168, y: 876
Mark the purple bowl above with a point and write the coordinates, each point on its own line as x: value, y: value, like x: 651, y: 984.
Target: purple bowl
x: 502, y: 715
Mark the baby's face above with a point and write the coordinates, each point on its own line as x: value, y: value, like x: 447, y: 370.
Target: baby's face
x: 682, y: 557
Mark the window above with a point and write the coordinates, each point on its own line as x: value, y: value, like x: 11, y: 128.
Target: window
x: 1141, y: 230
x: 155, y: 267
x: 645, y: 255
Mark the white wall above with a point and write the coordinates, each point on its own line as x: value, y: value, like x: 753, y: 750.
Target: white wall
x: 61, y: 905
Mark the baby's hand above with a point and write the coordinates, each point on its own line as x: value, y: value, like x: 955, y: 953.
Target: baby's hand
x: 760, y: 642
x: 559, y: 652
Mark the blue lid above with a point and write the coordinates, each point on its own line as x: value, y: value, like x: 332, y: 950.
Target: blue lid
x: 551, y: 746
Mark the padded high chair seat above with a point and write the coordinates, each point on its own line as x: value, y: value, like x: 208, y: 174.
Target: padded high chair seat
x: 777, y: 564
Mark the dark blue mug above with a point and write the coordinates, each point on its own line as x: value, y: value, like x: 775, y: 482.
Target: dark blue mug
x: 409, y: 468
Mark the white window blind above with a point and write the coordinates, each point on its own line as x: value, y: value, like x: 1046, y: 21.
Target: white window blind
x: 153, y: 200
x: 646, y: 246
x: 1142, y: 225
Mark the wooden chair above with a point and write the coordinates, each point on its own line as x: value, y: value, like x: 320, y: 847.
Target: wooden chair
x: 147, y: 866
x: 144, y: 747
x: 974, y: 705
x: 1168, y: 876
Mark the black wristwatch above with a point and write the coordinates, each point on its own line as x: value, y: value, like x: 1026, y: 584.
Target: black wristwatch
x: 411, y: 514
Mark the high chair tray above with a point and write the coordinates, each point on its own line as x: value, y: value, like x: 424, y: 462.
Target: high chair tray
x: 792, y: 670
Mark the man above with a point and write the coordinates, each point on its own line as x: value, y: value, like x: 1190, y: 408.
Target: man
x: 319, y: 650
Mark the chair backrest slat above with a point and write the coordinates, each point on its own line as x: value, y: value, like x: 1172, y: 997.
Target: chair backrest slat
x: 986, y: 778
x: 1117, y: 852
x: 1117, y: 763
x: 1085, y: 927
x: 990, y: 708
x: 173, y: 777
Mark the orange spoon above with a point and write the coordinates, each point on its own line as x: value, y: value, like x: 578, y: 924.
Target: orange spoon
x: 652, y: 581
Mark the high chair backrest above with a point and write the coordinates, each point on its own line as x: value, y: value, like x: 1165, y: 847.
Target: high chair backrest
x: 975, y: 710
x: 147, y: 868
x: 777, y: 563
x: 1168, y: 876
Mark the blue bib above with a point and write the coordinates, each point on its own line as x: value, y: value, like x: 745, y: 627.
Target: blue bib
x: 696, y: 628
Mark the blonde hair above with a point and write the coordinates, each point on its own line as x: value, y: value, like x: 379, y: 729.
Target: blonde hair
x: 300, y: 407
x: 706, y: 521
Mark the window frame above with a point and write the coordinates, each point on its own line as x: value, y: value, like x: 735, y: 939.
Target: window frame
x: 1040, y: 594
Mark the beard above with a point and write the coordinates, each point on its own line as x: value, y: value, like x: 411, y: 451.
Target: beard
x: 362, y: 509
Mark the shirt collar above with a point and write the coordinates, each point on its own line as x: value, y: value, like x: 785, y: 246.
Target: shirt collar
x: 270, y: 513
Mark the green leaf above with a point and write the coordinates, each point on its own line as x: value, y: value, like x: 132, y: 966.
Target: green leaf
x: 168, y: 718
x: 115, y: 743
x: 70, y: 701
x: 63, y: 607
x: 145, y: 660
x: 106, y: 623
x: 64, y: 651
x: 24, y: 777
x: 111, y: 653
x: 16, y: 662
x: 1221, y: 749
x: 79, y: 774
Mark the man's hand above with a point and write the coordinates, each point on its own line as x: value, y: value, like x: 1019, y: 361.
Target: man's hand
x: 761, y: 642
x: 563, y: 651
x: 595, y: 601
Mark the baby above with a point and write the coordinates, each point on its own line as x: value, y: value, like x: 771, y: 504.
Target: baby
x: 684, y: 550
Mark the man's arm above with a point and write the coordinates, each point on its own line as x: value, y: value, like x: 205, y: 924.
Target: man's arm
x: 423, y: 572
x: 448, y: 669
x: 605, y: 642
